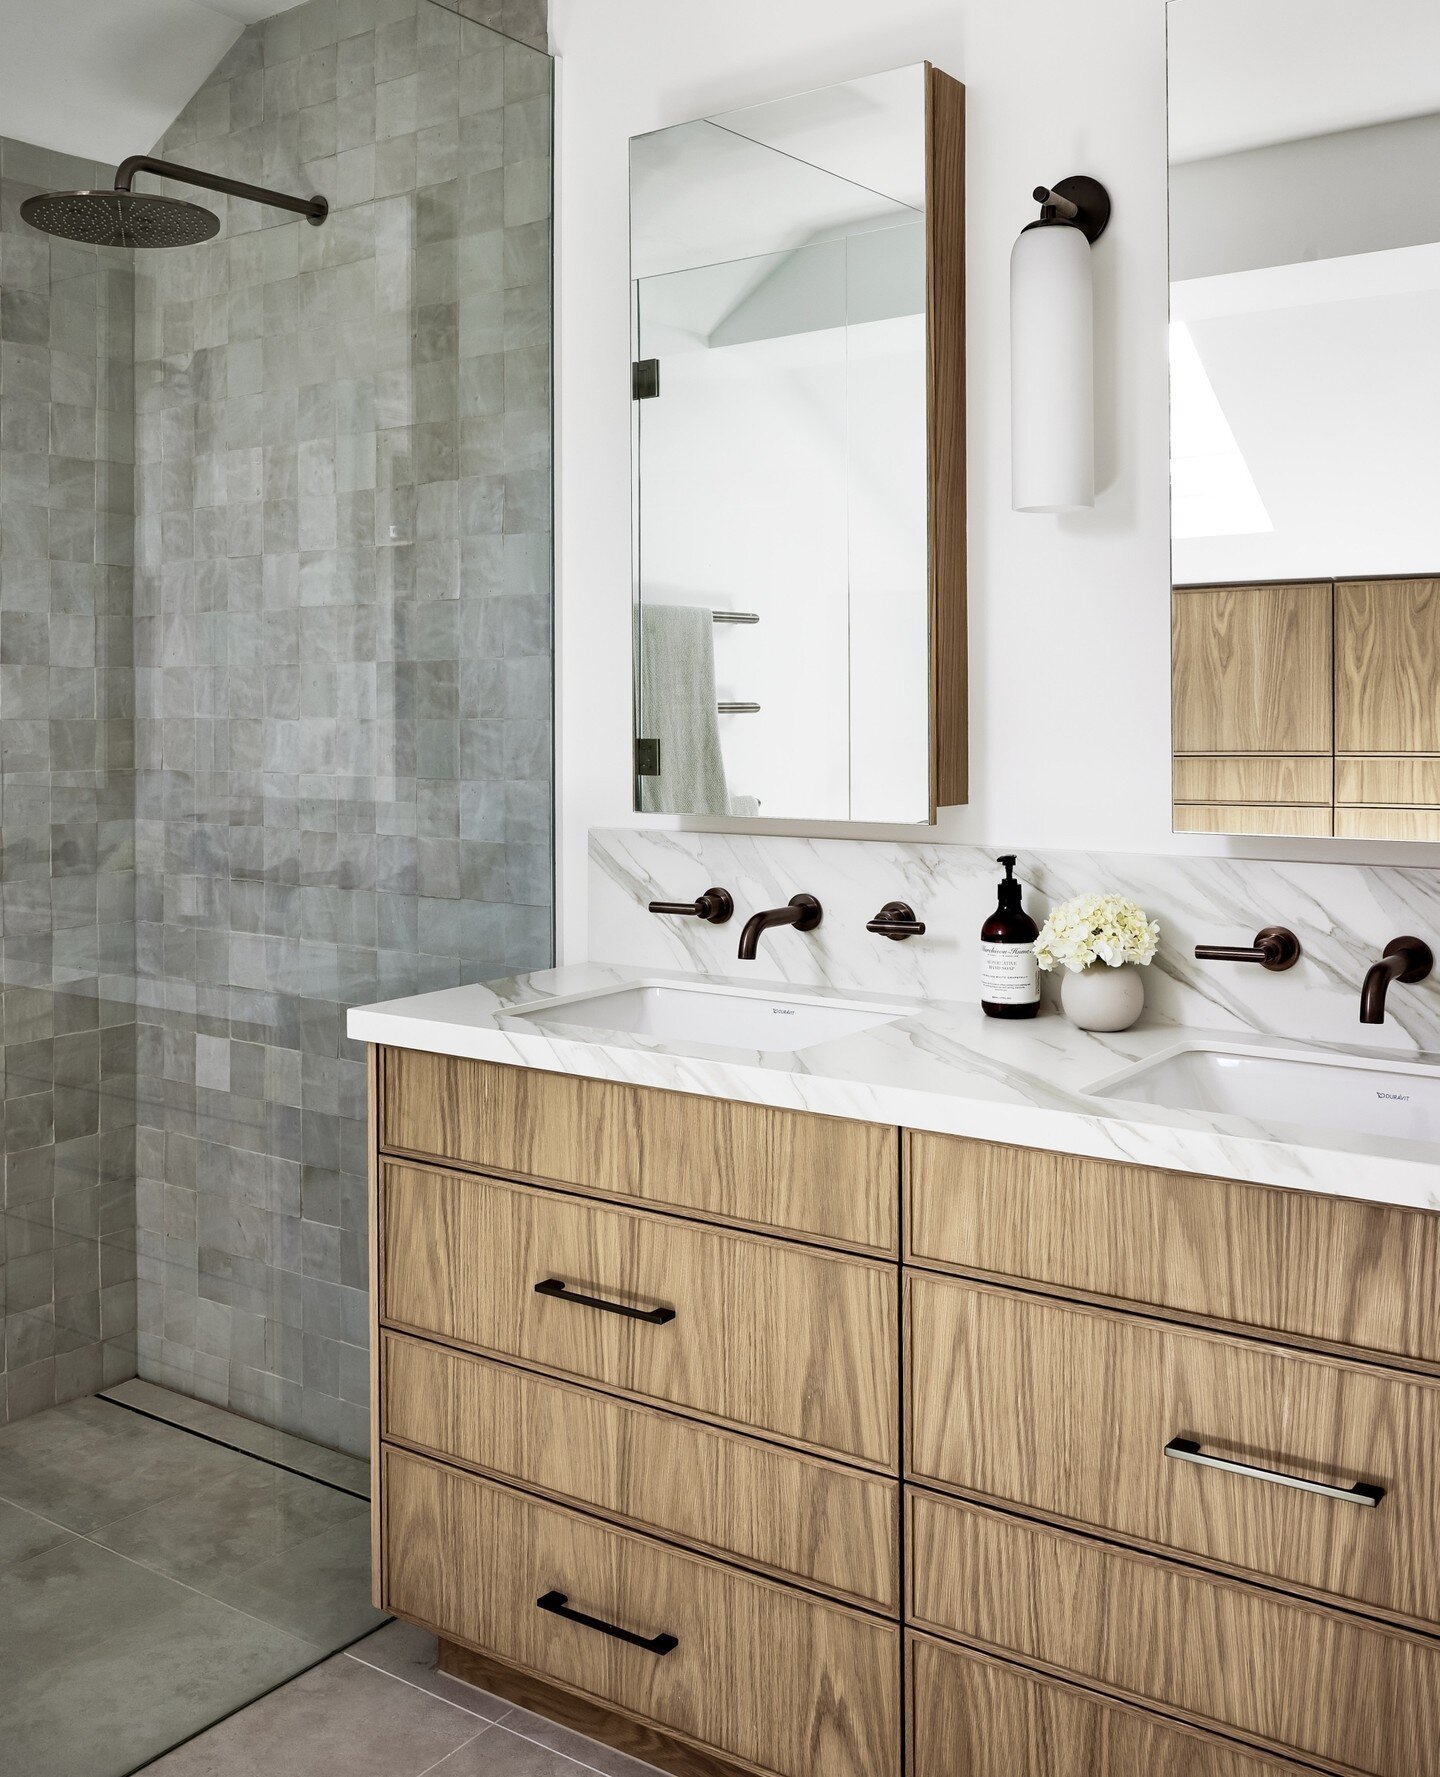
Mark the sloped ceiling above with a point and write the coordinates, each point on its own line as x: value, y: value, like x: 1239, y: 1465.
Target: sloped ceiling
x: 1244, y: 75
x: 106, y: 78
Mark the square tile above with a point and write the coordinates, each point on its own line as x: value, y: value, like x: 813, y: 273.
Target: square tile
x: 343, y: 1719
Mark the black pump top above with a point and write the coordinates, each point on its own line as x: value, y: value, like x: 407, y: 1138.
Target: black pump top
x: 1010, y: 890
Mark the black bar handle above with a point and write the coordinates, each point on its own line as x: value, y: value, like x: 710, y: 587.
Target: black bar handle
x: 1275, y: 948
x: 896, y: 919
x: 555, y: 1286
x: 716, y: 905
x: 558, y: 1604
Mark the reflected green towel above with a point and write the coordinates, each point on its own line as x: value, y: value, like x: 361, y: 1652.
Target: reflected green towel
x: 677, y: 708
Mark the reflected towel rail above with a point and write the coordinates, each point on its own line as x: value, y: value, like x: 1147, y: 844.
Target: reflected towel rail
x: 736, y: 616
x: 738, y: 709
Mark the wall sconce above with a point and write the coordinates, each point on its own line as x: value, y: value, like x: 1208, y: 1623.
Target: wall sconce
x: 1052, y: 350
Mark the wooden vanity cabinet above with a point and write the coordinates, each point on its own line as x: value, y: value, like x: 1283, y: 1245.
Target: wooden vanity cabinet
x: 743, y: 1164
x: 1329, y: 1273
x: 637, y: 1410
x: 1252, y: 712
x: 651, y: 1441
x: 971, y: 1716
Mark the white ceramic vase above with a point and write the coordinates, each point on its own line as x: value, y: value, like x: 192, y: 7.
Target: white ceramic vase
x: 1102, y: 998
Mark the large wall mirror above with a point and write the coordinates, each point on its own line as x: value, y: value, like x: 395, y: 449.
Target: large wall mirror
x: 1305, y: 429
x: 798, y: 312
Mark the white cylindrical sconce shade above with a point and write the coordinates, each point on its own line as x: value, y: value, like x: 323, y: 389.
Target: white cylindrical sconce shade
x: 1052, y: 371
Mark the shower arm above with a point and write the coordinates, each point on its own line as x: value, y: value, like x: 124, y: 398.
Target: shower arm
x: 314, y: 209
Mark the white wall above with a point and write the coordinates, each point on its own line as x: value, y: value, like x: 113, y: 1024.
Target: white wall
x: 1069, y: 616
x: 103, y: 79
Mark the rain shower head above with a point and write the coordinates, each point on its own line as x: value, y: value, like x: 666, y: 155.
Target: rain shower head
x: 126, y: 218
x: 120, y: 218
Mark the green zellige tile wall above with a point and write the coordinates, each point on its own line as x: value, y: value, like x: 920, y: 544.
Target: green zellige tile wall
x: 342, y: 653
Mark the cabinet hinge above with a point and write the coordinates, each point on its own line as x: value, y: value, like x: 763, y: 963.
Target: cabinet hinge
x: 644, y: 379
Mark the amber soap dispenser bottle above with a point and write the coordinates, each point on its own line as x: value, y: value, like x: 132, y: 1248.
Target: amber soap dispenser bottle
x: 1009, y: 973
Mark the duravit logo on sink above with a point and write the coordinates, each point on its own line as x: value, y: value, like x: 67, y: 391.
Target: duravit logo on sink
x: 782, y: 1011
x: 1395, y: 1097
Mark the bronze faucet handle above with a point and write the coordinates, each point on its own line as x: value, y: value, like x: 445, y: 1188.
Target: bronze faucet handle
x: 896, y: 919
x: 715, y: 906
x: 1275, y: 948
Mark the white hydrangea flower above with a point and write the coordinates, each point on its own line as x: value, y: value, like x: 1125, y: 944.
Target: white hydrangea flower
x: 1096, y: 929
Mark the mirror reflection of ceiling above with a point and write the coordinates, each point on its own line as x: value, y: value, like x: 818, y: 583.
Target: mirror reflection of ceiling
x: 1305, y: 292
x: 103, y: 79
x: 1247, y: 73
x: 773, y: 177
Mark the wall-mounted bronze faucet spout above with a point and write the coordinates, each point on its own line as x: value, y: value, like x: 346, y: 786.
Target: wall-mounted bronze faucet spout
x: 1404, y: 959
x: 803, y: 913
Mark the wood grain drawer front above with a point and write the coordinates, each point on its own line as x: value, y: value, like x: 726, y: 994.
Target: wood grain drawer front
x: 1263, y: 779
x: 797, y: 1516
x: 1387, y: 823
x: 1251, y: 669
x: 1387, y: 637
x: 1250, y: 817
x: 1068, y: 1411
x: 1315, y: 1268
x: 975, y: 1716
x: 821, y: 1177
x: 785, y: 1683
x: 800, y: 1345
x: 1296, y: 1677
x: 1390, y: 782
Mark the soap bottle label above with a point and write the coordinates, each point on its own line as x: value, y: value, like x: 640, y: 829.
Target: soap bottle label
x: 1009, y: 975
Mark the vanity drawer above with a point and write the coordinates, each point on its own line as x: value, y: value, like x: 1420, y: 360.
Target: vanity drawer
x: 1413, y: 782
x: 793, y: 1685
x: 1295, y: 1676
x: 974, y: 1716
x: 1323, y: 1269
x: 1275, y: 819
x: 1068, y: 1411
x: 1262, y: 778
x: 801, y: 1518
x: 1387, y: 823
x: 824, y: 1178
x: 798, y: 1344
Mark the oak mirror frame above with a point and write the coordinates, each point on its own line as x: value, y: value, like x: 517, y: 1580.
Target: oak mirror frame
x: 798, y: 316
x: 1305, y: 458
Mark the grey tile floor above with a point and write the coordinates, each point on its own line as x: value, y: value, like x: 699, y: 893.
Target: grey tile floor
x: 382, y: 1710
x: 154, y: 1579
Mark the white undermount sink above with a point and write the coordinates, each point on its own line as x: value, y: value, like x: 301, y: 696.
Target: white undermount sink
x: 698, y: 1012
x: 1360, y: 1095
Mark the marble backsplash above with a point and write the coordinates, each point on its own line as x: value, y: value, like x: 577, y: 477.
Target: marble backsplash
x: 1343, y: 914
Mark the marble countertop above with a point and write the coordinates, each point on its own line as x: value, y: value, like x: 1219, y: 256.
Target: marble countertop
x: 944, y: 1066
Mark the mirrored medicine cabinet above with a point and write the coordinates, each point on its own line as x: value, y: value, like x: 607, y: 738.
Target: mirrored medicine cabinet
x: 798, y: 316
x: 1305, y: 385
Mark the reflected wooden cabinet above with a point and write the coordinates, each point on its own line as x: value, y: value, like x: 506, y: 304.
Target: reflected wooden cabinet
x: 1253, y: 711
x: 1308, y: 708
x: 1387, y: 712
